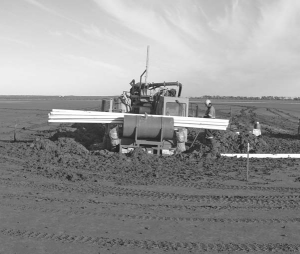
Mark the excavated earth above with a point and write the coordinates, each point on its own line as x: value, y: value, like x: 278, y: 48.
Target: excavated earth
x: 60, y: 193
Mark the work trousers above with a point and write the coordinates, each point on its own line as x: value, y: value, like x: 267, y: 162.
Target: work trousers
x: 211, y: 143
x: 209, y: 133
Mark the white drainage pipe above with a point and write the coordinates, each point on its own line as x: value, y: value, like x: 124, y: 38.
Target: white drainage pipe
x: 253, y: 155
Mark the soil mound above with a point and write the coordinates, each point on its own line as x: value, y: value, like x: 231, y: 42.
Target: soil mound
x: 69, y: 145
x: 44, y: 144
x: 232, y: 142
x: 282, y: 144
x: 66, y: 159
x: 85, y: 134
x: 56, y: 159
x: 63, y: 146
x: 68, y: 155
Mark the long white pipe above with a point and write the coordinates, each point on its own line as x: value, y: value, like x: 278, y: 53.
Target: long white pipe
x: 121, y: 122
x: 79, y: 116
x: 78, y: 112
x: 87, y: 118
x: 122, y: 119
x: 202, y: 126
x: 254, y: 155
x: 83, y: 121
x: 177, y: 119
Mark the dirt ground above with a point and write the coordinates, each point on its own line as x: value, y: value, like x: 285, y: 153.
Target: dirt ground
x: 60, y: 194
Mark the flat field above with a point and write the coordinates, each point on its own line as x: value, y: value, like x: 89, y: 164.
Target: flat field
x: 59, y: 194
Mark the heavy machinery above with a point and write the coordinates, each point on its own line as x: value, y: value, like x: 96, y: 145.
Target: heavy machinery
x: 155, y: 99
x: 144, y: 128
x: 155, y: 134
x: 153, y: 116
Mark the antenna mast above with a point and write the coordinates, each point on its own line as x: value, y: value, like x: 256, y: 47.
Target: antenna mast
x: 147, y: 66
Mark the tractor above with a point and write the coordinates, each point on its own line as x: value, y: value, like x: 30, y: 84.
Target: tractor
x: 143, y: 127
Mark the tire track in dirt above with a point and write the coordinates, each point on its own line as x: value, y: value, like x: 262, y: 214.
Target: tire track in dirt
x: 21, y: 162
x: 121, y: 192
x: 155, y: 206
x: 275, y: 112
x: 153, y: 217
x: 295, y: 199
x: 288, y: 114
x: 166, y: 182
x: 150, y: 244
x: 282, y: 114
x: 11, y: 159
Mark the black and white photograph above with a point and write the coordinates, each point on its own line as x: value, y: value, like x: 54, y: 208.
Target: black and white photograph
x: 149, y: 126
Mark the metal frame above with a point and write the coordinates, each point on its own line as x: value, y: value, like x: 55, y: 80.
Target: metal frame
x: 156, y: 145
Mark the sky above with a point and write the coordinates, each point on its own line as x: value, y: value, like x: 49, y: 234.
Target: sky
x: 96, y: 47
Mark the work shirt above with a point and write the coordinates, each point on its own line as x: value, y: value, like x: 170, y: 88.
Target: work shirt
x: 210, y: 112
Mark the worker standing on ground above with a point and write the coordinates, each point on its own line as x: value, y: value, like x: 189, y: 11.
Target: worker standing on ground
x: 257, y: 129
x: 209, y: 134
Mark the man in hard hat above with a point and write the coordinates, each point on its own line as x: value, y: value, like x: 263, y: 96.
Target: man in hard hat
x: 257, y: 129
x: 209, y: 134
x: 210, y: 113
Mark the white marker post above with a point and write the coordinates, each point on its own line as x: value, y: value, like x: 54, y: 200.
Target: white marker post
x: 248, y: 162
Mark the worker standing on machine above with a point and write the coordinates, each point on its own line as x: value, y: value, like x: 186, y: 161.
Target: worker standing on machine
x: 210, y: 113
x: 209, y: 134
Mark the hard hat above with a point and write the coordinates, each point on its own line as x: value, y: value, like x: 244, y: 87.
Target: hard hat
x: 207, y: 102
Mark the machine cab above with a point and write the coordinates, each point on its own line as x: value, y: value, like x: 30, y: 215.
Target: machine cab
x: 159, y: 99
x: 172, y: 106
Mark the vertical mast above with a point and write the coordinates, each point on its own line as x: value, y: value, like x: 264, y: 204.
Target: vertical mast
x: 147, y: 66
